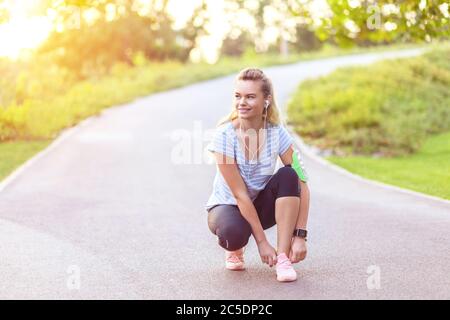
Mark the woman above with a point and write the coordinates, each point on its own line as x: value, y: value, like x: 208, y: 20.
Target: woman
x: 247, y: 196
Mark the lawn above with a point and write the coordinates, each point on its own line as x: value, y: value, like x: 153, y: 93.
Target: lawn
x: 45, y: 112
x: 426, y: 171
x: 13, y: 154
x: 389, y: 121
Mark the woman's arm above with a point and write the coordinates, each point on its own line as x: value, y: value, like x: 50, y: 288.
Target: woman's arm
x: 298, y: 247
x: 302, y: 220
x: 229, y: 170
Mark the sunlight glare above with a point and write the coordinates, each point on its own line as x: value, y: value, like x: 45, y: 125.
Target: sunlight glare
x: 21, y: 31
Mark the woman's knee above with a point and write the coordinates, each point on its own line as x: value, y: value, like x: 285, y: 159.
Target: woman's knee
x: 229, y: 225
x: 232, y: 237
x: 288, y: 182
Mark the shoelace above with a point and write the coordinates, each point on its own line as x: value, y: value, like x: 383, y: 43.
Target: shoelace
x: 284, y: 264
x: 234, y: 258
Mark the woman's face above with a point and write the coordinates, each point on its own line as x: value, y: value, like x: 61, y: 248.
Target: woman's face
x: 249, y: 99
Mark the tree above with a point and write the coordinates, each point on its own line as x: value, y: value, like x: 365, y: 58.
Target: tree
x: 365, y: 22
x: 4, y: 14
x: 282, y: 19
x: 195, y: 28
x: 83, y: 45
x: 306, y: 39
x: 236, y: 46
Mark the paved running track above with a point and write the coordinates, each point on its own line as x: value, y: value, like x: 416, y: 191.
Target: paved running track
x: 107, y: 205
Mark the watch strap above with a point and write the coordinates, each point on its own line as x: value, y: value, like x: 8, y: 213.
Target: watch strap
x: 302, y: 233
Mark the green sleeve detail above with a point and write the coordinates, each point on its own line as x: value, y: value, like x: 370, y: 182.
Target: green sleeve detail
x: 298, y: 168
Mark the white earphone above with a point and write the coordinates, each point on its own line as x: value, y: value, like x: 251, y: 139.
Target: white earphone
x: 267, y: 104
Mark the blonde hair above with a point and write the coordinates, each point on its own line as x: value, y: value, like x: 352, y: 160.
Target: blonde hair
x: 255, y: 74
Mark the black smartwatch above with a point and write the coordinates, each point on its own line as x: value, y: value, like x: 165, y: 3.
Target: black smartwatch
x: 301, y: 233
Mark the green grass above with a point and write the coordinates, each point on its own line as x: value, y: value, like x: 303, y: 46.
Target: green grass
x: 385, y: 123
x: 27, y: 128
x: 41, y: 105
x: 376, y: 109
x: 426, y: 171
x: 46, y: 110
x: 13, y: 154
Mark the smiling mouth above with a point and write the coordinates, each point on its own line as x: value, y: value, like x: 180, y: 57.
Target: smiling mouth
x: 244, y: 109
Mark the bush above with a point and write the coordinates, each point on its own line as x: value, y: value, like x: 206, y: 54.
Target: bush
x: 48, y: 97
x: 378, y: 108
x: 43, y: 104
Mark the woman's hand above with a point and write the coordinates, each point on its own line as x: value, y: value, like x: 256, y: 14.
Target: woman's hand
x: 267, y: 253
x: 298, y: 250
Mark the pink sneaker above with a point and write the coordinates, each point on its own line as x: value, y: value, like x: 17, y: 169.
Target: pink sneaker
x: 285, y: 271
x: 234, y: 260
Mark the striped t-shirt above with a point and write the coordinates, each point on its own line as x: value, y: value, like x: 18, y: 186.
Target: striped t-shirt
x: 257, y: 173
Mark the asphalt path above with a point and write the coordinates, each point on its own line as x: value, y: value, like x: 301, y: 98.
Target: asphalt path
x: 109, y: 212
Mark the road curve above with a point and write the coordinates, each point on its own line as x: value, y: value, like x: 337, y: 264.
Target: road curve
x: 106, y: 213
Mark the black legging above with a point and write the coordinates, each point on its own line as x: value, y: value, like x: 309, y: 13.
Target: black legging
x: 231, y: 228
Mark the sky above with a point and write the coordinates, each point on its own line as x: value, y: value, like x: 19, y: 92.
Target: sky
x: 21, y: 31
x: 26, y: 32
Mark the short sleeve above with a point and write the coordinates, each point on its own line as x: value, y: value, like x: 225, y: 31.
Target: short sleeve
x: 222, y: 142
x: 285, y: 140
